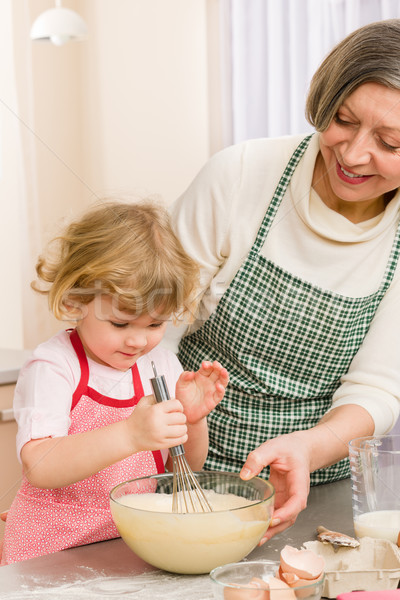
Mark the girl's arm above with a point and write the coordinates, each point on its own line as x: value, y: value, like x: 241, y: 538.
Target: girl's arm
x: 60, y: 461
x: 42, y: 403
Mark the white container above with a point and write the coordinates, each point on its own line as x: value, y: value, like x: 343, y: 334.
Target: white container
x: 374, y: 565
x: 375, y: 469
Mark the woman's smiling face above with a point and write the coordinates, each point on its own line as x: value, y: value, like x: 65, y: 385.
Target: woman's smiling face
x: 361, y: 148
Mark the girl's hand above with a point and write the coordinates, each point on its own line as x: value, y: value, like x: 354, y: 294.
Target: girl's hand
x: 200, y: 392
x: 154, y: 426
x: 289, y: 462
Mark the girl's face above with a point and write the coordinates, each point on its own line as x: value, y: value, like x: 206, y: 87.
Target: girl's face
x: 361, y: 152
x: 117, y: 339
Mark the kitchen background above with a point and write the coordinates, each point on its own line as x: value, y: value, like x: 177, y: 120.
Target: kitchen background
x: 136, y: 109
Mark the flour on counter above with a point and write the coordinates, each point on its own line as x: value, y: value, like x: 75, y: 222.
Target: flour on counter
x: 154, y: 585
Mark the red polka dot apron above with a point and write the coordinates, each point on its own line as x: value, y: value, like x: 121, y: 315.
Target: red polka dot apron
x: 285, y: 342
x: 43, y: 521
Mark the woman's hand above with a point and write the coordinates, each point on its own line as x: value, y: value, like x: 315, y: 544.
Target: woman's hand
x: 200, y: 392
x: 289, y: 462
x: 292, y: 457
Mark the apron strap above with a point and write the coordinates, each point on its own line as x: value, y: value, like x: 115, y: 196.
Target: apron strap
x: 84, y: 389
x: 158, y: 459
x: 81, y: 388
x: 279, y: 193
x: 391, y: 265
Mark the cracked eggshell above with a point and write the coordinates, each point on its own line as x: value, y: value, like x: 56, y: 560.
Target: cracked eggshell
x: 260, y: 591
x: 279, y: 590
x: 306, y: 564
x: 270, y: 589
x: 295, y: 582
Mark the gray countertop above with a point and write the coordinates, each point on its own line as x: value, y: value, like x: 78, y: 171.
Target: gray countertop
x: 111, y: 570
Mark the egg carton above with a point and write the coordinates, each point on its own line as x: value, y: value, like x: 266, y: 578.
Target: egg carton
x: 374, y: 565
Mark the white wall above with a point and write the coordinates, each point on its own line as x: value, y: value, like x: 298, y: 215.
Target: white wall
x: 145, y: 101
x: 126, y: 111
x: 10, y: 296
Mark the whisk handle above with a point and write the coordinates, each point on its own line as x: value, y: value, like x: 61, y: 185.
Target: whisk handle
x: 161, y: 394
x: 160, y: 388
x: 177, y: 451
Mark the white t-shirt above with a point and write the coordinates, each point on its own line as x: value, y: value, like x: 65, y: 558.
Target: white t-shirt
x: 47, y: 381
x: 217, y: 220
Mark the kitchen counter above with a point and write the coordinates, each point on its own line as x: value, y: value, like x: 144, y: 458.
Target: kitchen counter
x: 11, y: 361
x: 111, y: 570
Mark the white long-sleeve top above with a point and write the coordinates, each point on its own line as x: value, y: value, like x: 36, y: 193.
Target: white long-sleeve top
x: 217, y: 220
x: 47, y: 381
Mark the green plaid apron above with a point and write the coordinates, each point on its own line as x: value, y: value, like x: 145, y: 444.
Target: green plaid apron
x: 285, y: 342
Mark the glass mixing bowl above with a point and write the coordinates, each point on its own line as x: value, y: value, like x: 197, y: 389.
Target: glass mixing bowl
x: 231, y: 582
x: 193, y: 543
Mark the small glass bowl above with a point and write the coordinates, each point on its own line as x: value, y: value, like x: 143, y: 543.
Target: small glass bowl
x: 231, y: 582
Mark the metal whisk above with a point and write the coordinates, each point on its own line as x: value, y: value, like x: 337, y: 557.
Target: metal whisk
x: 187, y: 495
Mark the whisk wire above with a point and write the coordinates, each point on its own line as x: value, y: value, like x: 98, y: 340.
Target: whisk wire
x: 187, y: 495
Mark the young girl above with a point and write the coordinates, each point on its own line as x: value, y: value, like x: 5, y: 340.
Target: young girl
x: 86, y: 416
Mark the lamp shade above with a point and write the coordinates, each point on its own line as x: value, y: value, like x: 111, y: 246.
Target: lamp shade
x: 59, y: 25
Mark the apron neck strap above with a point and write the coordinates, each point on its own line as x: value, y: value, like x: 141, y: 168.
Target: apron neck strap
x: 279, y: 193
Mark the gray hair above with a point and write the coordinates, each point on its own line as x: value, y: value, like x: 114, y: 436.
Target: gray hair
x: 369, y: 54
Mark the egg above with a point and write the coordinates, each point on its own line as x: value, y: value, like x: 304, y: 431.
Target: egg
x: 304, y: 563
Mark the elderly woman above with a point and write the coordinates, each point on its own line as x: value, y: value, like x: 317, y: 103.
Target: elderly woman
x: 298, y: 241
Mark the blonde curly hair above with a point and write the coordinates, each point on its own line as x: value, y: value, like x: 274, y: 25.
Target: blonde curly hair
x: 128, y: 251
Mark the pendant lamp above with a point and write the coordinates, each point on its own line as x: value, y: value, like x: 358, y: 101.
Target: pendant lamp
x: 59, y: 25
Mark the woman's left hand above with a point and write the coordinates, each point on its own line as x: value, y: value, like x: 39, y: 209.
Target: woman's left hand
x: 289, y: 462
x: 200, y: 392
